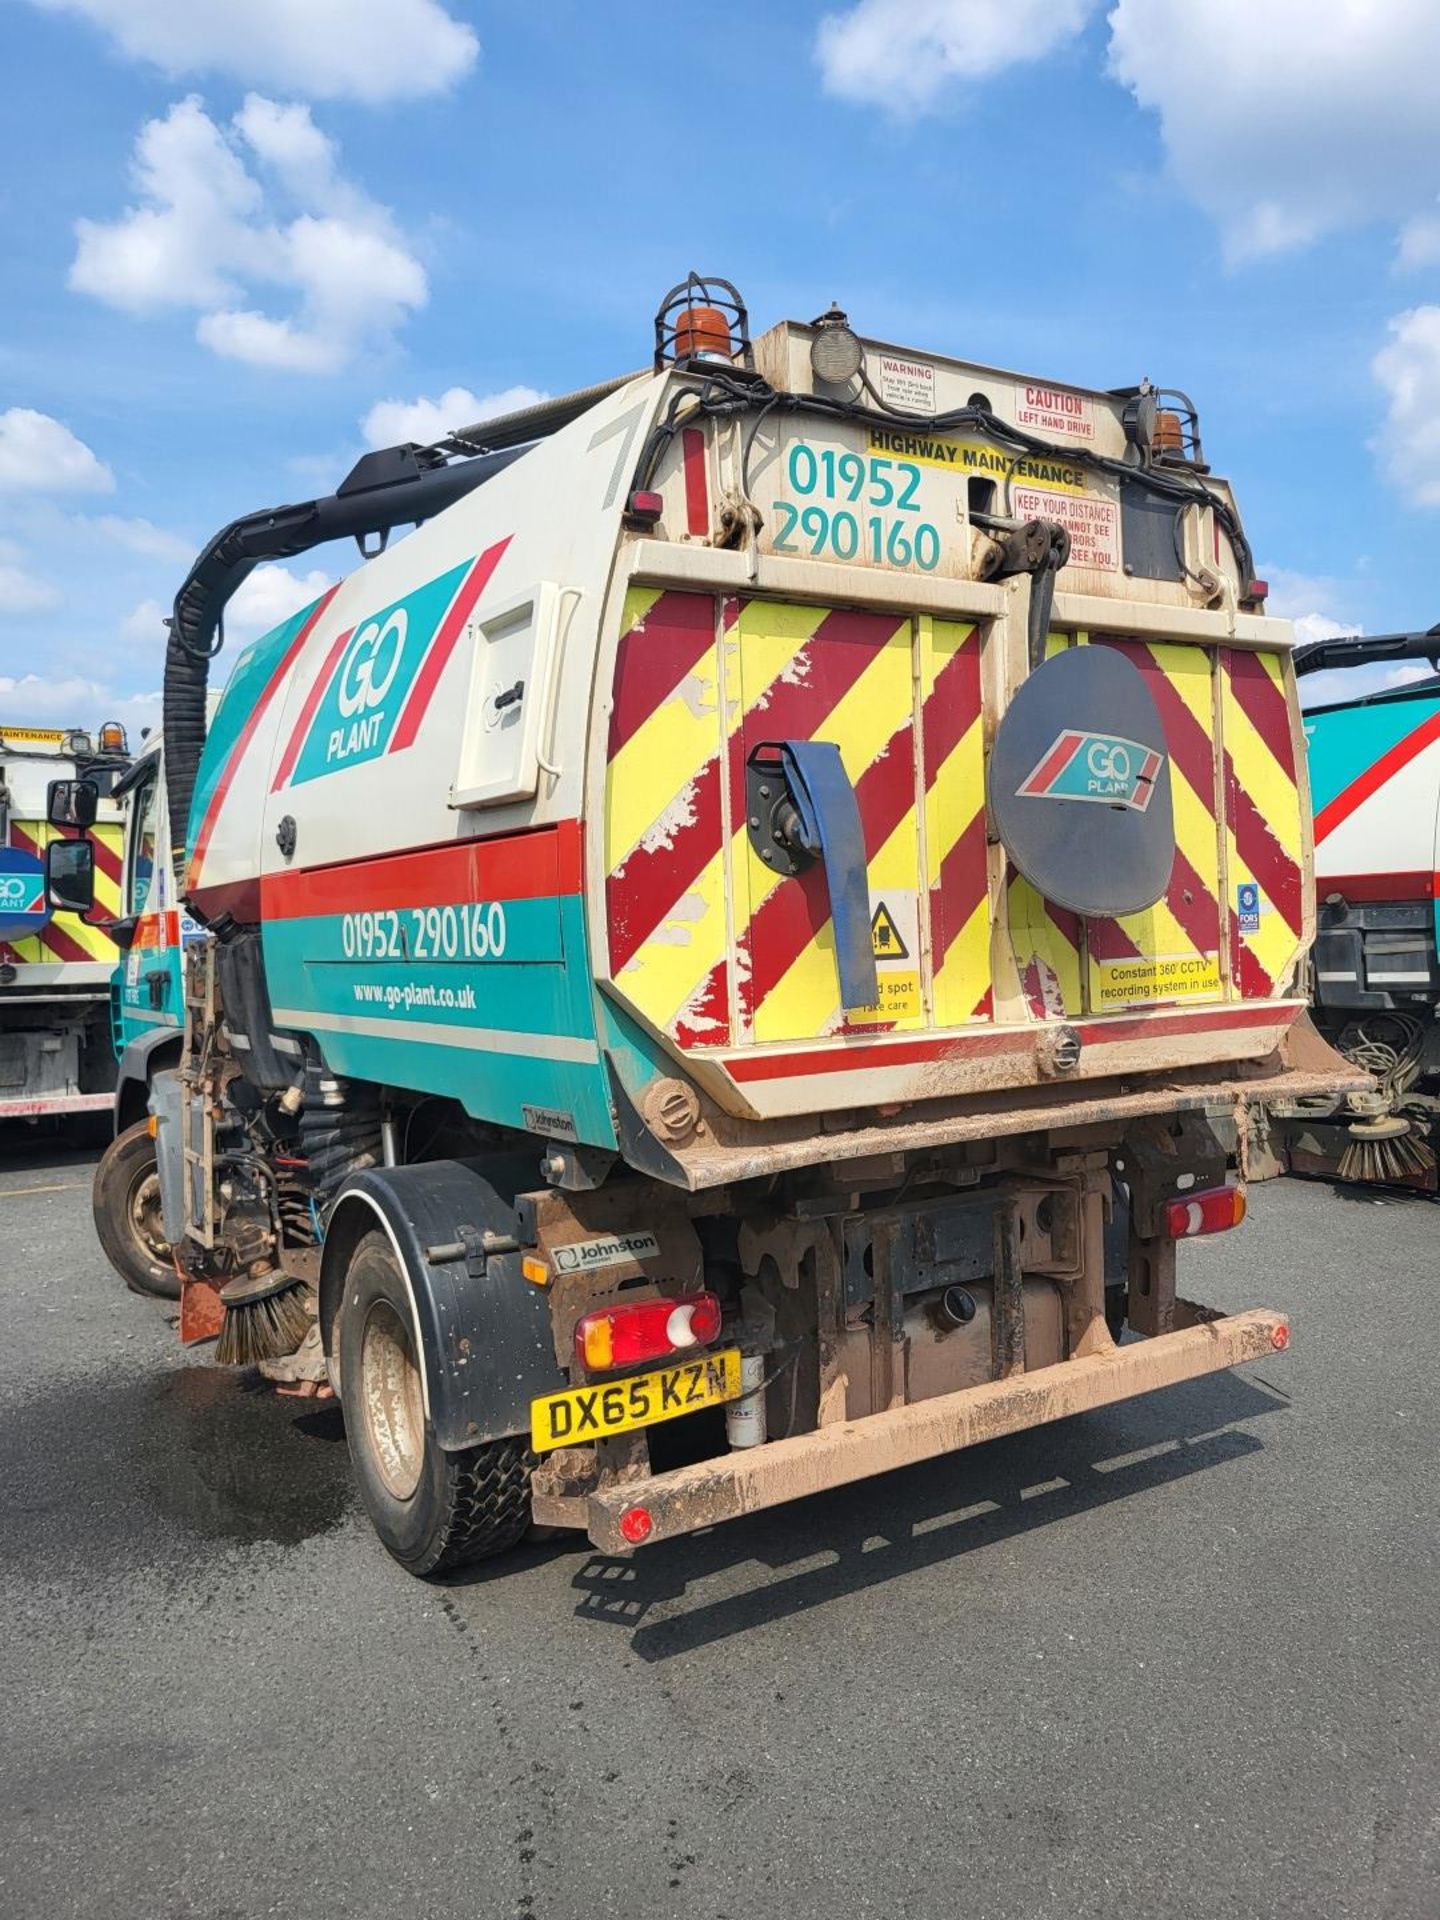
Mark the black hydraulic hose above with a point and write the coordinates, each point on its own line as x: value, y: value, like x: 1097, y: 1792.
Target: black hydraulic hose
x: 1367, y: 650
x: 385, y: 491
x: 722, y: 393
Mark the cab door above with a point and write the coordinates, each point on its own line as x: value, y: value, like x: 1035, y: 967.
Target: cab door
x: 149, y: 993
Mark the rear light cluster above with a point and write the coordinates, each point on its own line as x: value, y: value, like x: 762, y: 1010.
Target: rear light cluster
x: 628, y: 1334
x: 1213, y: 1211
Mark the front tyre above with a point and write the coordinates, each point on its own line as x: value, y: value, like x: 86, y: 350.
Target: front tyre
x: 126, y: 1203
x: 433, y: 1510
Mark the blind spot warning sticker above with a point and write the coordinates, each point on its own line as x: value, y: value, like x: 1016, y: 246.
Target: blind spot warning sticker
x: 895, y: 943
x: 886, y: 940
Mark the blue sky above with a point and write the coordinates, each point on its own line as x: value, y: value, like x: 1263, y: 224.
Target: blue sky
x: 233, y: 234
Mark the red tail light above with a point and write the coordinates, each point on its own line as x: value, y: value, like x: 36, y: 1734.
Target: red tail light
x: 630, y: 1333
x: 1213, y: 1211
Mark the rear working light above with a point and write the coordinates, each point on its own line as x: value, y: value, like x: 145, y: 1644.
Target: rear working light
x: 626, y: 1335
x: 1213, y: 1211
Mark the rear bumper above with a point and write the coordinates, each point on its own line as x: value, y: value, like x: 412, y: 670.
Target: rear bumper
x: 39, y: 1104
x: 834, y: 1456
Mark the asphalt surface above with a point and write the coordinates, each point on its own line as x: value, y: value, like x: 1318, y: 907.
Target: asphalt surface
x: 1177, y: 1658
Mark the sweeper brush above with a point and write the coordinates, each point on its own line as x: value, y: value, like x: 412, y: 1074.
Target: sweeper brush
x: 266, y: 1316
x: 1385, y: 1151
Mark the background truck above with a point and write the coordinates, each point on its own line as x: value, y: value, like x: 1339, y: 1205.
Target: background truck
x: 55, y: 968
x: 1375, y: 770
x: 146, y: 1020
x: 701, y: 933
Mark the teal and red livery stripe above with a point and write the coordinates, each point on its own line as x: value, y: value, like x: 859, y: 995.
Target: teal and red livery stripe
x: 532, y: 864
x: 1373, y: 777
x: 443, y: 645
x: 470, y: 586
x: 443, y: 970
x: 218, y: 784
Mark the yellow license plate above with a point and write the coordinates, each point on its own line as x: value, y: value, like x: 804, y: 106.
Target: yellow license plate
x: 584, y: 1414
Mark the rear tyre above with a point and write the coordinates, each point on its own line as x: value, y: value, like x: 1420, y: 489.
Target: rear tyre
x: 433, y: 1510
x: 126, y: 1204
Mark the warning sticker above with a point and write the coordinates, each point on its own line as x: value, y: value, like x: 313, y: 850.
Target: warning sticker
x: 1051, y: 411
x: 885, y: 936
x: 895, y: 942
x: 907, y: 384
x: 1161, y: 976
x: 1093, y: 525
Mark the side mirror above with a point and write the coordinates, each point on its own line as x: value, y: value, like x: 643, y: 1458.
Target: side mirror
x: 70, y: 874
x: 71, y: 803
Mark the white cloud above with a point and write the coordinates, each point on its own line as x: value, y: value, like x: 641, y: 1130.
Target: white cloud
x: 21, y: 591
x: 1316, y: 626
x: 266, y: 597
x: 1313, y: 602
x: 209, y: 235
x: 144, y: 538
x: 391, y: 423
x: 145, y: 624
x: 1290, y: 119
x: 1408, y: 370
x: 263, y: 599
x: 370, y: 50
x: 71, y: 700
x: 906, y: 53
x: 40, y: 455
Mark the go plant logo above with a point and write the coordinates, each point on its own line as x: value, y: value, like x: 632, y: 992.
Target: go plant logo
x: 1099, y: 767
x: 369, y: 676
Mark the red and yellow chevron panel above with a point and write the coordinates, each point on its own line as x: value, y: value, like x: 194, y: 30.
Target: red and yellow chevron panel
x: 714, y: 948
x: 848, y: 678
x: 64, y: 939
x: 1046, y: 942
x: 1171, y: 952
x: 706, y: 941
x: 956, y: 854
x: 665, y: 813
x: 1265, y: 909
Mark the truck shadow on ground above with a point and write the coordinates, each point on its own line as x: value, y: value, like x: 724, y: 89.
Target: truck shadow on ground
x: 843, y: 1542
x: 62, y: 1149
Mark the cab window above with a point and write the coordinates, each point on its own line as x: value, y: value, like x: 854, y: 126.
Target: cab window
x: 140, y: 859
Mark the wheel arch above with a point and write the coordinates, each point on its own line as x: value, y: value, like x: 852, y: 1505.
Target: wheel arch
x: 482, y: 1332
x: 140, y: 1062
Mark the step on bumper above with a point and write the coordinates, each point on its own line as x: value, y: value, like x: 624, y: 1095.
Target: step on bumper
x: 745, y: 1482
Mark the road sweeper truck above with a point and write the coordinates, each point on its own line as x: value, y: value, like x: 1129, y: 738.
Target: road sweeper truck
x: 698, y: 934
x: 1374, y: 760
